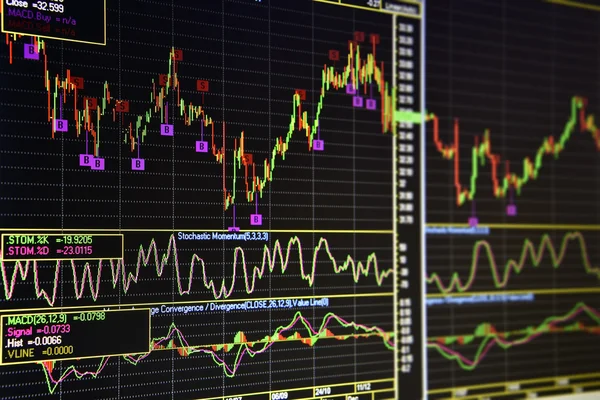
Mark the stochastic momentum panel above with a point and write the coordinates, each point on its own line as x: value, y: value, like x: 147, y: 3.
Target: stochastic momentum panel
x: 512, y: 200
x: 247, y: 171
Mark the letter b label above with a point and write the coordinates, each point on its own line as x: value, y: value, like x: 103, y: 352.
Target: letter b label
x: 30, y: 52
x: 61, y: 125
x: 166, y: 130
x: 98, y: 164
x: 85, y: 160
x: 138, y: 164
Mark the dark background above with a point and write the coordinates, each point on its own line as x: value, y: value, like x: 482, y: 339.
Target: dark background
x: 254, y: 55
x: 513, y: 67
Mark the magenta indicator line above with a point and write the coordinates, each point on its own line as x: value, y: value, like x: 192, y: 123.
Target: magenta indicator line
x: 86, y: 141
x: 138, y: 146
x: 371, y: 90
x: 256, y: 202
x: 202, y: 130
x: 234, y: 215
x: 166, y: 112
x: 60, y: 105
x: 319, y: 132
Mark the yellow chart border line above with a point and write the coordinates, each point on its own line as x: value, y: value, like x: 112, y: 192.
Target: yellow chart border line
x: 508, y: 383
x: 574, y: 4
x: 85, y: 230
x: 526, y: 391
x: 27, y: 34
x: 521, y: 291
x: 181, y: 303
x: 380, y: 9
x: 566, y: 227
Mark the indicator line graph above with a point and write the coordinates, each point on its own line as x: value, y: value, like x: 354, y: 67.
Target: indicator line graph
x: 503, y: 181
x: 492, y: 338
x: 278, y: 255
x: 483, y: 250
x: 358, y: 75
x: 241, y: 346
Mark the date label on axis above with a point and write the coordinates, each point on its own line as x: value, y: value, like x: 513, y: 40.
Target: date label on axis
x: 43, y: 246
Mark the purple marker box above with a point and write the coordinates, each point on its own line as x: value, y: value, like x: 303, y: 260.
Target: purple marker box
x: 350, y: 89
x: 166, y: 129
x: 85, y: 160
x: 233, y: 229
x: 511, y: 210
x: 256, y: 219
x: 357, y: 101
x: 138, y: 164
x: 30, y: 52
x: 473, y: 222
x: 201, y: 146
x: 98, y: 164
x: 318, y: 145
x: 61, y: 125
x: 371, y: 104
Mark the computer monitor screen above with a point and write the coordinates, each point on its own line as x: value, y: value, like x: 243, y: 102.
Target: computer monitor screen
x: 312, y: 199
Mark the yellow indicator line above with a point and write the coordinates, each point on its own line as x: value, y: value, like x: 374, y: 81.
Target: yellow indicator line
x: 181, y: 303
x: 347, y: 231
x: 520, y: 382
x: 558, y: 227
x: 575, y: 4
x: 518, y: 332
x: 524, y: 291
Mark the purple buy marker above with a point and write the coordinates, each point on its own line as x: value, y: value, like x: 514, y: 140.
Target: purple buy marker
x: 357, y: 101
x: 85, y: 160
x: 201, y: 146
x: 233, y: 228
x: 61, y: 125
x: 511, y: 210
x: 30, y: 52
x: 166, y: 129
x: 350, y: 89
x: 256, y: 218
x: 138, y: 164
x: 98, y: 164
x: 371, y: 104
x: 473, y: 220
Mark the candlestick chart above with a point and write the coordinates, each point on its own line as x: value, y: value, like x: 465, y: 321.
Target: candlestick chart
x: 512, y: 232
x: 240, y: 158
